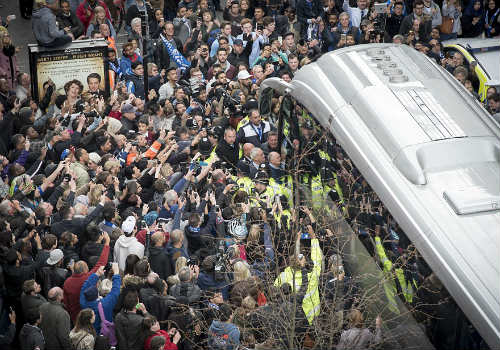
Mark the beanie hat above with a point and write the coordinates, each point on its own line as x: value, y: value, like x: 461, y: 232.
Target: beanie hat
x: 91, y: 293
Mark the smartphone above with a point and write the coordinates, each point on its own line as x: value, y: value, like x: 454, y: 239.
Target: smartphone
x: 343, y: 37
x: 380, y: 8
x: 280, y: 39
x: 305, y: 235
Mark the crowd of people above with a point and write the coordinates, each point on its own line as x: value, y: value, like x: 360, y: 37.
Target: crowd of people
x: 169, y: 217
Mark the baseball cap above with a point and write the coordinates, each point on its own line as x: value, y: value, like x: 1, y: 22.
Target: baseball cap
x: 94, y: 157
x: 128, y: 108
x: 244, y: 74
x: 237, y: 42
x: 55, y: 256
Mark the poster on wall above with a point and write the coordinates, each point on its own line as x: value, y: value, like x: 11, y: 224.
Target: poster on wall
x: 84, y: 60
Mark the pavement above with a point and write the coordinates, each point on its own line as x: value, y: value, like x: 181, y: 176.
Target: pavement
x: 20, y: 31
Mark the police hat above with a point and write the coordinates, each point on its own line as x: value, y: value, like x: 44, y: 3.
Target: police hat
x: 205, y: 147
x: 261, y: 177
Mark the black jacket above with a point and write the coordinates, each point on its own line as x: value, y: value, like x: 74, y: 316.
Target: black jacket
x: 138, y: 84
x: 127, y: 125
x: 128, y: 329
x: 31, y: 303
x: 76, y: 225
x: 392, y: 25
x: 228, y: 154
x: 161, y: 56
x: 53, y: 277
x: 186, y: 293
x: 133, y: 12
x: 15, y: 276
x: 424, y: 30
x: 70, y: 21
x: 305, y: 12
x: 160, y: 262
x: 159, y: 305
x: 91, y: 249
x: 31, y: 337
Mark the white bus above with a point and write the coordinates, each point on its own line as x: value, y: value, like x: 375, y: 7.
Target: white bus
x: 426, y: 147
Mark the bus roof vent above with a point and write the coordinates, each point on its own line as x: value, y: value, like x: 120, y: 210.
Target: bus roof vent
x: 386, y: 64
x: 375, y: 52
x: 378, y: 58
x: 398, y: 79
x: 393, y: 71
x: 472, y: 200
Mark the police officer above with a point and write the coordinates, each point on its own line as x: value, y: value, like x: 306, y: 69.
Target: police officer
x: 304, y: 282
x: 263, y: 193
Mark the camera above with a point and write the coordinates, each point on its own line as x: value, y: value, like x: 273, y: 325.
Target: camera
x: 67, y: 177
x: 65, y: 120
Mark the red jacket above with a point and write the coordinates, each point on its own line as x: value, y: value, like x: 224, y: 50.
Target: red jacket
x: 168, y: 344
x: 73, y: 285
x: 81, y: 12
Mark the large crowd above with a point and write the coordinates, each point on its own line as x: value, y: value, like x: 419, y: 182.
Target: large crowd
x: 170, y: 217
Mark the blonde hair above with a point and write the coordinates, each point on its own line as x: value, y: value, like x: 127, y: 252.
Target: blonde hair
x: 95, y: 195
x: 356, y: 319
x: 254, y: 234
x: 180, y: 263
x: 98, y: 9
x: 241, y: 271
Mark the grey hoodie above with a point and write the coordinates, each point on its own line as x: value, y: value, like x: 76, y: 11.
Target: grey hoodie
x: 44, y: 26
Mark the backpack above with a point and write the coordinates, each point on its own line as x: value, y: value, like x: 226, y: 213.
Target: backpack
x: 107, y: 327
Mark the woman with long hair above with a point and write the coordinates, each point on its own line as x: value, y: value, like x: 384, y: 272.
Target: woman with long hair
x: 8, y: 60
x: 82, y: 336
x: 245, y: 10
x: 98, y: 19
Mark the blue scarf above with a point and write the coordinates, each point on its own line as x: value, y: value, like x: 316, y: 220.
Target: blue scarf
x: 174, y: 54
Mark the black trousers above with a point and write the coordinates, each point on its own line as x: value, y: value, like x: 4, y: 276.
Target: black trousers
x: 26, y: 8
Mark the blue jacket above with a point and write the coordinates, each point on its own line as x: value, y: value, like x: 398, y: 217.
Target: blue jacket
x: 126, y: 63
x: 108, y: 302
x: 223, y: 335
x: 206, y: 281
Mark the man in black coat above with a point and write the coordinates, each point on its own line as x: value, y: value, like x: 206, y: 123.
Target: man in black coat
x: 31, y: 299
x: 94, y: 247
x: 394, y: 20
x: 425, y: 27
x: 308, y: 12
x: 158, y: 259
x: 67, y: 19
x: 228, y: 149
x: 77, y: 225
x: 161, y: 56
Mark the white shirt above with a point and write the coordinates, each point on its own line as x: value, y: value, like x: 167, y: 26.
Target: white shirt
x: 355, y: 13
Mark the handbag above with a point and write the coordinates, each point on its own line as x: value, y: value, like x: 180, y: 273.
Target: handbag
x: 447, y: 25
x: 107, y: 327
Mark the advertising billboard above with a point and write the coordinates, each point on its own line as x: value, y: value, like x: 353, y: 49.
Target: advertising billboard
x: 74, y: 61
